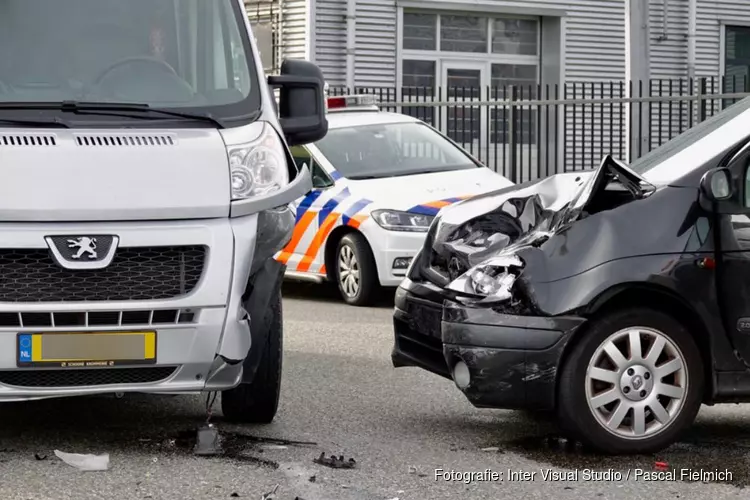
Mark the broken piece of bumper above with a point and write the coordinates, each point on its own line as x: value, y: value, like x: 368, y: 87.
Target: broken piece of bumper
x: 497, y: 360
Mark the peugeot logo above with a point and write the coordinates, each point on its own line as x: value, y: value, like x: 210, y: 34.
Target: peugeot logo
x: 637, y: 382
x: 85, y: 245
x: 83, y: 252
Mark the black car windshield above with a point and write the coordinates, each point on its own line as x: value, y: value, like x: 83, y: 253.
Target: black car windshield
x: 391, y: 149
x: 688, y: 138
x: 188, y: 55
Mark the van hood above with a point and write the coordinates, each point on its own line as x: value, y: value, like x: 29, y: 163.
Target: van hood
x: 496, y: 225
x: 95, y: 175
x: 428, y: 193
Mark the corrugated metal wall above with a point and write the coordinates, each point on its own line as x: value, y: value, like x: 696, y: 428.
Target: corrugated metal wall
x: 330, y: 40
x: 587, y: 22
x: 281, y: 29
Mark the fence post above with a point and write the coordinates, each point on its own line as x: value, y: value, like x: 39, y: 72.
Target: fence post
x: 512, y: 153
x: 702, y: 100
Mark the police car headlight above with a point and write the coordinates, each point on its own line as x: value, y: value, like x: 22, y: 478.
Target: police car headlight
x: 258, y: 168
x: 492, y: 278
x: 392, y: 220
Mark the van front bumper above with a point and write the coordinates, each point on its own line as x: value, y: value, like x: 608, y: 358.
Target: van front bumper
x: 497, y: 360
x: 210, y: 350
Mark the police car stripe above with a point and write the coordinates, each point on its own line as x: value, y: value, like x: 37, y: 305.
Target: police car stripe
x: 433, y: 207
x: 335, y: 175
x: 327, y: 218
x: 307, y: 202
x: 331, y: 205
x: 300, y: 229
x: 354, y: 210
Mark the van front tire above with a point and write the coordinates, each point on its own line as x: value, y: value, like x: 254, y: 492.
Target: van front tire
x: 257, y: 402
x: 619, y: 401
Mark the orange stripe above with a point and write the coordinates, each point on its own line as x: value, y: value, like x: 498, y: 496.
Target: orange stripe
x: 436, y: 204
x: 323, y: 269
x: 299, y: 232
x: 317, y: 242
x: 357, y: 220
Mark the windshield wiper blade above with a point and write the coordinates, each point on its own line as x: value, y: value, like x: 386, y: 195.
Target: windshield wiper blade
x: 109, y: 108
x: 99, y: 107
x: 56, y: 122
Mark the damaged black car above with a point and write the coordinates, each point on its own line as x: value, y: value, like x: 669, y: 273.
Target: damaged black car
x: 618, y: 298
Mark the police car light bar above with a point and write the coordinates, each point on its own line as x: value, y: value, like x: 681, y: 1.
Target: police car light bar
x: 351, y: 101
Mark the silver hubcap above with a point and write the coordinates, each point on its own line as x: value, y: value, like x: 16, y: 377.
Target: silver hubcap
x: 636, y: 383
x: 348, y: 271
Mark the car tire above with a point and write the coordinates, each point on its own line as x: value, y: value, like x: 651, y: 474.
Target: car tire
x: 257, y: 402
x: 655, y: 406
x: 355, y: 270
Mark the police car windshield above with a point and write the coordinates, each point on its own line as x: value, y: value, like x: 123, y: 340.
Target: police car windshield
x: 391, y: 150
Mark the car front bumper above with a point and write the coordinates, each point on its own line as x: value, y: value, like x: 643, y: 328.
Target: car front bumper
x: 503, y: 361
x: 393, y: 251
x: 206, y: 352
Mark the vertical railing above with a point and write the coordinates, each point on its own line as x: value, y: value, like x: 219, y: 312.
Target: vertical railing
x: 528, y: 132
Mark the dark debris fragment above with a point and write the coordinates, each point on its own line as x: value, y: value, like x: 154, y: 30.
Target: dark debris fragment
x: 40, y: 457
x: 334, y: 462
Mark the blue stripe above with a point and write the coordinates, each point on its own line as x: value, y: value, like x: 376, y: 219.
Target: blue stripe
x: 335, y: 175
x: 305, y: 205
x: 423, y: 210
x: 332, y: 204
x: 452, y: 200
x: 352, y: 211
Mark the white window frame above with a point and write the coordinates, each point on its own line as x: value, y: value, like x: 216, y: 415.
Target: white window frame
x: 723, y: 25
x: 437, y: 56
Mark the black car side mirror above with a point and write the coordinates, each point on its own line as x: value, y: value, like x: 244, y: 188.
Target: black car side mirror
x: 716, y: 185
x: 302, y: 105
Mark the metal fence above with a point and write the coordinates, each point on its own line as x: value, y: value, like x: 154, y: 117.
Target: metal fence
x: 527, y: 132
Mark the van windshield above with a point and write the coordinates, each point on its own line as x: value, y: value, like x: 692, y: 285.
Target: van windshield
x: 190, y: 55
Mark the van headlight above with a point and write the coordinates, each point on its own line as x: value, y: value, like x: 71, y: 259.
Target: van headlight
x: 258, y: 168
x: 393, y: 220
x: 492, y: 279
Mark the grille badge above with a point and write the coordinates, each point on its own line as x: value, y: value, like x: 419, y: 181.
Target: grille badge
x: 83, y: 252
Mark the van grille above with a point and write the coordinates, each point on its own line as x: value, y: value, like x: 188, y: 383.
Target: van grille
x: 136, y: 273
x: 85, y: 377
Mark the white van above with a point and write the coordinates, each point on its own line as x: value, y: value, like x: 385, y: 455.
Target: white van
x: 146, y: 182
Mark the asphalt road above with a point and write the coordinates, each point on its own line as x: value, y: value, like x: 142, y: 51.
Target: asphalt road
x: 341, y: 393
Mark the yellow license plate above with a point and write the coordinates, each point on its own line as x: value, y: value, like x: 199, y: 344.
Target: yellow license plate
x: 86, y: 349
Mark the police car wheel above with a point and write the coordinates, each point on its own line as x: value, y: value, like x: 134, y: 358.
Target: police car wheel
x: 257, y: 402
x: 355, y: 270
x: 632, y: 384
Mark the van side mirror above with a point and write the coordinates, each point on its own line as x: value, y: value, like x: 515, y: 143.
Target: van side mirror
x: 302, y: 105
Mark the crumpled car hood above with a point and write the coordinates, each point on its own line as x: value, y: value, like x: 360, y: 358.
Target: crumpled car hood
x: 468, y: 233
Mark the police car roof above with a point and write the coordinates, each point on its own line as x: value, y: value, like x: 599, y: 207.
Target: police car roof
x: 359, y: 110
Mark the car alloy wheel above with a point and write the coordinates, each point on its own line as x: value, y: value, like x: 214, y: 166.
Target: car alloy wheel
x: 349, y: 271
x: 636, y: 383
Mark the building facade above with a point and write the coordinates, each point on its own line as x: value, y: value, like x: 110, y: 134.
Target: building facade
x: 569, y: 49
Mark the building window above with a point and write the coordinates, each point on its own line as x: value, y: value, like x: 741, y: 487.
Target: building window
x: 420, y: 31
x: 736, y: 60
x: 470, y: 58
x: 463, y: 34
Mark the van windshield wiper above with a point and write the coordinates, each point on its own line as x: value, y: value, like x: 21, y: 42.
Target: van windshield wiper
x: 55, y: 122
x: 110, y: 109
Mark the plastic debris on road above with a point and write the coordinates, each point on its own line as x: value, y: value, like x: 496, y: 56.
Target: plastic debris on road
x: 90, y: 463
x: 336, y: 463
x: 271, y: 495
x: 208, y: 442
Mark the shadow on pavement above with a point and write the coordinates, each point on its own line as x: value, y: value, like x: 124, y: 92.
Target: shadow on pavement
x: 327, y: 292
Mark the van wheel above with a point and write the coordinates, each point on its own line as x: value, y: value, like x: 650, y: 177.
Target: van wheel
x: 257, y: 402
x: 355, y: 270
x: 632, y: 384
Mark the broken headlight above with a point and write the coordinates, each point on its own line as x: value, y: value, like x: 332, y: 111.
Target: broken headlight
x: 491, y: 279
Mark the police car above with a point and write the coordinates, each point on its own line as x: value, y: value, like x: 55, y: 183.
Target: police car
x: 379, y: 179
